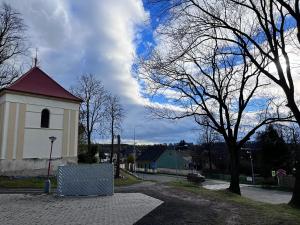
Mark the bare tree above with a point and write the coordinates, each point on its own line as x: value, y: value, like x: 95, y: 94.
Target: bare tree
x: 92, y: 109
x: 294, y: 137
x: 12, y: 43
x: 208, y: 137
x: 292, y: 7
x: 268, y: 31
x: 206, y: 81
x: 114, y: 115
x: 290, y: 132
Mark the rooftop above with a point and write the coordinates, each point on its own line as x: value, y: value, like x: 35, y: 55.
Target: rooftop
x: 37, y: 82
x: 150, y: 155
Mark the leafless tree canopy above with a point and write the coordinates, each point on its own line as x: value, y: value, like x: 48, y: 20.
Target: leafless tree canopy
x: 12, y: 43
x: 207, y: 138
x: 211, y: 73
x: 114, y: 115
x: 266, y: 31
x: 92, y: 109
x: 207, y: 82
x: 101, y: 113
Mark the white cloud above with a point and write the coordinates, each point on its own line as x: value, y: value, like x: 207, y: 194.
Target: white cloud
x: 75, y: 37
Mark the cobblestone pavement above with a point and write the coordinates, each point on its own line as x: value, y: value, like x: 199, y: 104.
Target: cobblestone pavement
x: 121, y: 208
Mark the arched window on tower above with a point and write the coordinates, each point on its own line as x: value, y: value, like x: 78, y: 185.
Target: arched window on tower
x: 45, y: 118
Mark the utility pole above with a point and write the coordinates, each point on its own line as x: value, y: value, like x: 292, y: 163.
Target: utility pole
x: 118, y: 157
x: 134, y: 151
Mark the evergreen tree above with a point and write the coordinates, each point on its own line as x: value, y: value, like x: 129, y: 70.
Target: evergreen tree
x: 274, y: 151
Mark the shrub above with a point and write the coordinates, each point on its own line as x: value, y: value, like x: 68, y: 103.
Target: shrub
x: 87, y: 157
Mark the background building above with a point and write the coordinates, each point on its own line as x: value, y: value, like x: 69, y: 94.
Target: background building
x: 165, y: 161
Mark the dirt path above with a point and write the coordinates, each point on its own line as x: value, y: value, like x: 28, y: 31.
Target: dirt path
x: 182, y: 207
x: 250, y: 191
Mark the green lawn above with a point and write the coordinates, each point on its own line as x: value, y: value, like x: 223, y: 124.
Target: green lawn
x: 31, y: 182
x: 126, y: 180
x: 273, y: 212
x: 35, y: 182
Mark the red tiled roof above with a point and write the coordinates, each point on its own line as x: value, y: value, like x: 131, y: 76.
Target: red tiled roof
x: 37, y: 82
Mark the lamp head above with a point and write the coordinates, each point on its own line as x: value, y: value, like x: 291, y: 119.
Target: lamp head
x: 52, y: 138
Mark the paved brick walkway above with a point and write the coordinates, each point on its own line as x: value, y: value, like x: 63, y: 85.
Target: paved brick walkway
x: 122, y: 208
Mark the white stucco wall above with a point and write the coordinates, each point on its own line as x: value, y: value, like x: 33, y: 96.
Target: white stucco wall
x: 3, y: 132
x: 36, y: 139
x: 36, y: 102
x: 37, y: 144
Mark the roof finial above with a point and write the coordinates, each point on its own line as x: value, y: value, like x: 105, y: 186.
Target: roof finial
x: 35, y: 59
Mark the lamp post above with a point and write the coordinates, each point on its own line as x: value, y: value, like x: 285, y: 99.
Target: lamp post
x: 48, y: 182
x: 252, y: 168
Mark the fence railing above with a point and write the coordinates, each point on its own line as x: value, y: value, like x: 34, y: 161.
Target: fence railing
x: 287, y: 182
x: 85, y: 180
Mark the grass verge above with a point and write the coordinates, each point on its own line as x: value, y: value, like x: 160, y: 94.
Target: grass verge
x: 38, y: 182
x: 126, y: 180
x: 28, y: 182
x: 276, y: 188
x: 274, y: 212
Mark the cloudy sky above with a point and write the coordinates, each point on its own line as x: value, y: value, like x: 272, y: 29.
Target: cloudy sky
x: 103, y: 38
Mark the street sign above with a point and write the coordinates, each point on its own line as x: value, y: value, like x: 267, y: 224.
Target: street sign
x: 281, y: 173
x: 249, y: 179
x: 273, y: 173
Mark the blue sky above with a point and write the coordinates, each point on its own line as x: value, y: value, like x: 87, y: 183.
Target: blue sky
x: 100, y: 37
x: 147, y: 32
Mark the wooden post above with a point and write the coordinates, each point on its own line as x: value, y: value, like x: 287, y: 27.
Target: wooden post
x: 118, y: 157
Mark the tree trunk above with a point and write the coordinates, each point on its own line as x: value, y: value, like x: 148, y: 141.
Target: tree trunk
x: 295, y: 201
x: 118, y: 158
x: 112, y: 149
x: 112, y: 141
x: 89, y: 143
x: 234, y: 170
x: 89, y: 130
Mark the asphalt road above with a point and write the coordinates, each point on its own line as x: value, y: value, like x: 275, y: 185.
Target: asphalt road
x: 180, y: 208
x: 250, y: 191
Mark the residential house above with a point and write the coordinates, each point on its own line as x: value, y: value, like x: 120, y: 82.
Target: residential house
x: 160, y: 160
